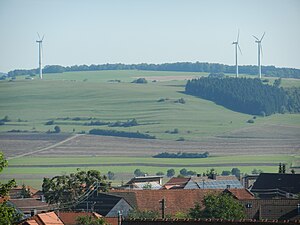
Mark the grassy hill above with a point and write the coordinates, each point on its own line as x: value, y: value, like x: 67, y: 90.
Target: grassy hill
x: 75, y: 98
x: 110, y: 96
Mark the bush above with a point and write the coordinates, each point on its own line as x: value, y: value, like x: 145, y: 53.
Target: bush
x: 181, y: 100
x: 50, y: 122
x: 250, y: 121
x: 170, y: 172
x: 110, y: 175
x: 160, y: 173
x: 225, y: 173
x: 57, y: 129
x: 180, y: 139
x: 140, y: 81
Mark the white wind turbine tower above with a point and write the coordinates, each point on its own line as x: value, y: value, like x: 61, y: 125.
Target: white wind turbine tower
x: 259, y: 49
x: 40, y: 41
x: 237, y: 46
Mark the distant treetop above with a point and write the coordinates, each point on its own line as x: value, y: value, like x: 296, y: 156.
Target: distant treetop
x: 215, y: 68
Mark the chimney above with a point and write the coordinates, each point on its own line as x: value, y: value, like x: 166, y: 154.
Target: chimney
x: 214, y: 176
x: 33, y: 212
x: 42, y: 198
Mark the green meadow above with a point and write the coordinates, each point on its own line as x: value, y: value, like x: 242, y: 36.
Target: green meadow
x: 109, y: 96
x: 31, y: 103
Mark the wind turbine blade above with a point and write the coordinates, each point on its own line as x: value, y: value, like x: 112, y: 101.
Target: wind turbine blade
x: 240, y: 49
x: 43, y: 37
x: 255, y: 37
x: 238, y: 36
x: 38, y: 35
x: 261, y: 49
x: 263, y: 36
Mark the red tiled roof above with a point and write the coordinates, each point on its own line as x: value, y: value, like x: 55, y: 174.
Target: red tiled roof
x: 177, y: 200
x: 69, y: 218
x: 49, y: 218
x: 31, y: 222
x: 176, y: 182
x: 239, y: 193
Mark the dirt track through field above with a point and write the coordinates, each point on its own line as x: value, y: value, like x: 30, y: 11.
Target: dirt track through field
x: 44, y: 149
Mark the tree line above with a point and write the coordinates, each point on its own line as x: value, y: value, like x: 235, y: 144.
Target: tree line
x: 270, y: 71
x: 181, y: 155
x: 245, y: 95
x: 121, y: 134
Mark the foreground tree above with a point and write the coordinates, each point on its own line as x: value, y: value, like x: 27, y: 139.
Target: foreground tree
x: 89, y: 220
x: 219, y: 206
x: 66, y: 190
x: 147, y: 214
x: 8, y: 214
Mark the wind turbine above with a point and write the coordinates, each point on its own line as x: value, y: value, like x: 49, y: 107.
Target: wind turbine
x: 236, y: 43
x: 259, y: 49
x: 40, y: 41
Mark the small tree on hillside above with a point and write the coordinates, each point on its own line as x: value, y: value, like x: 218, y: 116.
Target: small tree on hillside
x: 170, y: 172
x: 57, y: 129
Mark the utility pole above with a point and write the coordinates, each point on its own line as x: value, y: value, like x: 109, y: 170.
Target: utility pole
x: 163, y: 207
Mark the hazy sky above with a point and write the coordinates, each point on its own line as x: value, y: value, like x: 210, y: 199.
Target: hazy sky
x: 152, y: 31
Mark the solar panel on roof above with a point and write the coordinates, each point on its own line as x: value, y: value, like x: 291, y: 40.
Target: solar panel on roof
x: 219, y: 184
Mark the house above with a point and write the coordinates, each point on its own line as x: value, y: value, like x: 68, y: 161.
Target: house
x: 176, y: 183
x: 29, y: 206
x: 272, y: 209
x: 176, y: 200
x: 105, y: 204
x: 144, y: 182
x: 43, y: 219
x: 17, y: 192
x: 205, y: 222
x: 277, y: 185
x: 239, y: 193
x: 63, y: 218
x: 213, y: 182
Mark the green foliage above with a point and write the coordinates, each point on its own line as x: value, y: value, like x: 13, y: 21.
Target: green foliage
x: 120, y: 134
x: 236, y: 172
x: 57, y: 129
x: 129, y: 123
x: 256, y: 171
x: 50, y: 122
x: 277, y: 82
x: 89, y: 220
x: 180, y: 155
x: 110, y: 175
x: 244, y: 95
x: 147, y: 214
x: 160, y: 173
x: 225, y: 173
x: 250, y: 121
x: 179, y: 66
x: 181, y: 215
x: 219, y: 206
x: 67, y: 189
x: 25, y: 192
x: 8, y: 214
x: 170, y: 172
x: 140, y: 81
x: 185, y: 172
x: 139, y: 173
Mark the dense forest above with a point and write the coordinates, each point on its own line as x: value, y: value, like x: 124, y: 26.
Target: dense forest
x: 270, y: 71
x: 246, y: 95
